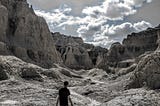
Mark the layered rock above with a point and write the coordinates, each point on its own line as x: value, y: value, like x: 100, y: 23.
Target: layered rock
x: 147, y: 72
x: 132, y: 47
x: 96, y: 54
x: 139, y: 43
x: 77, y: 54
x: 73, y: 55
x: 116, y: 54
x: 26, y: 35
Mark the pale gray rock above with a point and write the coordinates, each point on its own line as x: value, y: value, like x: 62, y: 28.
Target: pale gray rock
x: 95, y: 87
x: 139, y: 43
x: 136, y: 97
x: 52, y: 73
x: 115, y: 54
x: 124, y: 71
x: 125, y: 63
x: 74, y: 55
x: 133, y: 46
x: 147, y: 72
x: 27, y: 35
x: 77, y: 54
x: 77, y: 57
x: 96, y: 54
x: 19, y: 69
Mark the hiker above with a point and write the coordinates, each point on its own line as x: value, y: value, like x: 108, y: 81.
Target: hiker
x: 64, y: 96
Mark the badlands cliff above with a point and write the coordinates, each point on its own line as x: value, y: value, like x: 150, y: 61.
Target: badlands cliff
x: 34, y: 63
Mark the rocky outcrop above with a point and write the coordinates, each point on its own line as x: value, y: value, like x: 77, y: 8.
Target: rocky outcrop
x: 96, y: 54
x: 31, y: 73
x: 63, y: 39
x: 133, y: 46
x: 147, y: 72
x: 116, y: 54
x: 139, y: 43
x: 125, y: 63
x: 73, y: 55
x: 77, y: 54
x: 136, y: 97
x: 26, y: 35
x: 13, y: 67
x: 94, y: 88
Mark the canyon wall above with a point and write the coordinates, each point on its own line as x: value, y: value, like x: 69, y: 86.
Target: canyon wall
x: 25, y: 35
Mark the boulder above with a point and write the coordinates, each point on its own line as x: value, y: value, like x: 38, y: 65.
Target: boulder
x: 52, y: 73
x: 30, y: 73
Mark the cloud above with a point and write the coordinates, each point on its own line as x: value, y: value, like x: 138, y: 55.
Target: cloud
x: 101, y: 24
x: 149, y: 12
x: 110, y: 34
x: 126, y: 28
x: 115, y: 9
x: 49, y: 5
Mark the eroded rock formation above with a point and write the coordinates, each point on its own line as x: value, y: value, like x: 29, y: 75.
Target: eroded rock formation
x: 147, y: 72
x: 133, y: 46
x: 26, y: 35
x: 139, y: 43
x: 77, y: 54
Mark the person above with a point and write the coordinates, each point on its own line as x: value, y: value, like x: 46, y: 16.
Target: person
x: 64, y: 96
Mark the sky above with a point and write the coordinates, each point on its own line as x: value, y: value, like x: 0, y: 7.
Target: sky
x: 99, y: 22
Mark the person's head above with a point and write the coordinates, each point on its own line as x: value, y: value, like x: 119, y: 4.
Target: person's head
x: 66, y: 83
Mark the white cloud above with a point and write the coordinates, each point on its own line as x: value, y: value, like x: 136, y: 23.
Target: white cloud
x: 115, y: 9
x: 141, y: 25
x: 100, y: 25
x: 149, y: 12
x: 126, y: 28
x: 110, y: 34
x: 49, y: 5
